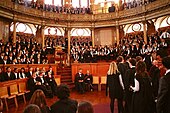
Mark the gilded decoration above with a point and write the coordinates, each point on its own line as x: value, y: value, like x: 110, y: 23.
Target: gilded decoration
x: 138, y: 14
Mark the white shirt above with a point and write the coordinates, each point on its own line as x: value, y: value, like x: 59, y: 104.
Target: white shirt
x: 167, y: 71
x: 136, y: 88
x: 121, y: 81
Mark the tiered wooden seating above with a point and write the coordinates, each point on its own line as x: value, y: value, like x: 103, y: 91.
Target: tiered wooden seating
x: 14, y: 90
x: 4, y: 95
x: 22, y: 88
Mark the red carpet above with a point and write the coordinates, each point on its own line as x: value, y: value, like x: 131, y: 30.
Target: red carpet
x: 104, y: 108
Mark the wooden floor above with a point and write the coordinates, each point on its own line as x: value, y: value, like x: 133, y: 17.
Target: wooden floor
x: 95, y: 97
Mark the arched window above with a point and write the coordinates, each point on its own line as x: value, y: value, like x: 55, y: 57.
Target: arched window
x: 84, y: 3
x: 75, y: 3
x: 48, y: 2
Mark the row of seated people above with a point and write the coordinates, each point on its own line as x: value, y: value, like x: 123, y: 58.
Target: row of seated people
x: 76, y: 10
x: 37, y: 79
x: 23, y: 52
x: 21, y: 73
x: 129, y: 5
x: 54, y: 8
x: 130, y: 47
x: 52, y: 42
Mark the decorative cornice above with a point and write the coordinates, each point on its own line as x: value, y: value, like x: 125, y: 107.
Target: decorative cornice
x: 21, y: 13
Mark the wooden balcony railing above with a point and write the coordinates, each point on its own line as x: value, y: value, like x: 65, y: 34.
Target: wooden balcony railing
x: 9, y: 8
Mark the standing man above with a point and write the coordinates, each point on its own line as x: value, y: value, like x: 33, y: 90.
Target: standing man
x: 79, y: 81
x: 163, y: 102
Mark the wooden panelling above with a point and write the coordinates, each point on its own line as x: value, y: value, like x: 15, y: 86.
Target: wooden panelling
x: 96, y: 69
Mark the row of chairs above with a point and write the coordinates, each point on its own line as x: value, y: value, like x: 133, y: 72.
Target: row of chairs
x: 99, y: 81
x: 12, y: 92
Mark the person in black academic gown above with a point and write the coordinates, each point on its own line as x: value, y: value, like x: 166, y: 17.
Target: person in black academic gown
x: 88, y: 79
x: 114, y: 86
x: 51, y: 81
x: 129, y: 81
x: 9, y: 75
x: 142, y: 99
x: 79, y: 81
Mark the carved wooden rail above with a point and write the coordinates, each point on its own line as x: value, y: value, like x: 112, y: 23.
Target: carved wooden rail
x: 21, y: 12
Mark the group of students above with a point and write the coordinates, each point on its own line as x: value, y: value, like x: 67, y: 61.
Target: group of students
x: 65, y: 104
x: 24, y: 51
x: 44, y: 80
x: 37, y: 79
x: 132, y: 46
x: 130, y: 83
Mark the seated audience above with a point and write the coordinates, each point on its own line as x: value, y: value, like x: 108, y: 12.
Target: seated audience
x: 30, y: 72
x: 85, y: 107
x: 51, y: 81
x: 22, y: 73
x: 41, y: 83
x: 64, y: 104
x: 38, y: 98
x: 31, y: 83
x: 32, y: 108
x: 9, y: 75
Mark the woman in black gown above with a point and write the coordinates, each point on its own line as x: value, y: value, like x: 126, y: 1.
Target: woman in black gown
x: 142, y: 99
x: 115, y: 86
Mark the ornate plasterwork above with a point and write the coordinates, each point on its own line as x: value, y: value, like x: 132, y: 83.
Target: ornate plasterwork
x: 24, y: 14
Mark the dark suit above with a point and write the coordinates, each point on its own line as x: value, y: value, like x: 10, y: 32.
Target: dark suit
x: 155, y: 75
x: 163, y: 103
x: 31, y: 84
x: 64, y: 106
x: 79, y: 85
x: 88, y: 79
x: 9, y: 76
x: 29, y: 74
x: 52, y: 83
x: 2, y: 77
x: 129, y: 81
x: 122, y: 69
